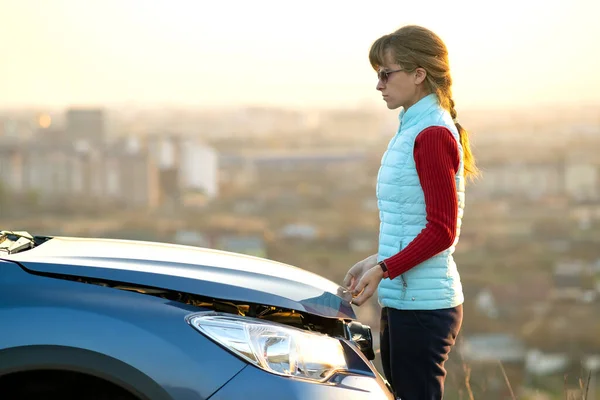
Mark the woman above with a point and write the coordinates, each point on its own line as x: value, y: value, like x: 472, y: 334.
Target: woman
x: 420, y: 193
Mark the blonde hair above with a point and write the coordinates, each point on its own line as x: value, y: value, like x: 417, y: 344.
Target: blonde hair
x: 414, y: 47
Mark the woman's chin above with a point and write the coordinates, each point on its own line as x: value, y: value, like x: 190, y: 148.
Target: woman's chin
x: 392, y: 105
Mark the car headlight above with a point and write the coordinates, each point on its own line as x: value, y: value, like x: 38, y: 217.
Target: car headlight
x: 273, y: 347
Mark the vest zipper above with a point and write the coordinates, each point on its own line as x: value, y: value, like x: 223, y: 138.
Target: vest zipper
x: 404, y: 286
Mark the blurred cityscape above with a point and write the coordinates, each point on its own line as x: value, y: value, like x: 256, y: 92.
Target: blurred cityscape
x: 299, y: 187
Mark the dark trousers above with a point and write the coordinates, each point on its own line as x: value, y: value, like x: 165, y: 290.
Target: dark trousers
x: 414, y: 347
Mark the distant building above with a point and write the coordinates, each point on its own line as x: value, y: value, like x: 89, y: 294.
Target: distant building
x: 191, y: 238
x: 251, y: 245
x: 486, y: 303
x: 540, y: 363
x: 72, y: 172
x: 199, y: 168
x: 131, y: 175
x: 78, y: 166
x: 52, y: 171
x: 299, y: 231
x: 290, y: 160
x: 582, y: 174
x: 362, y: 241
x: 11, y: 165
x: 574, y: 281
x: 492, y: 348
x: 185, y: 166
x: 86, y: 125
x: 529, y: 179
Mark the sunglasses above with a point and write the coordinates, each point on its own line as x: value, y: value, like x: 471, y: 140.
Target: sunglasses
x: 385, y: 75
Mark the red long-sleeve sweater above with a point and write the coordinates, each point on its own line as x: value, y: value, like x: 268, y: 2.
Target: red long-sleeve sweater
x: 437, y: 160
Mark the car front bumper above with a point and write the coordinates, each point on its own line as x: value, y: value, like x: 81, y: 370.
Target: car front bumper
x: 254, y: 384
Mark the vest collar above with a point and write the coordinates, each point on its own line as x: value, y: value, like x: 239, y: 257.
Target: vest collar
x: 417, y: 109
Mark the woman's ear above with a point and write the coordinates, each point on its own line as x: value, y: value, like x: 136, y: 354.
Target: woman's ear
x: 420, y: 75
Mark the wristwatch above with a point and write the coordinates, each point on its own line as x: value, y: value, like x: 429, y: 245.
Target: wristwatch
x: 383, y: 268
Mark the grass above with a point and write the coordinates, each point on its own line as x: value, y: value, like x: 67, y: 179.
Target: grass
x: 568, y: 393
x: 497, y: 380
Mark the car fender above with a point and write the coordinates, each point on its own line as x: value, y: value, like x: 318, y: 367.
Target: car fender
x: 28, y: 358
x: 145, y: 332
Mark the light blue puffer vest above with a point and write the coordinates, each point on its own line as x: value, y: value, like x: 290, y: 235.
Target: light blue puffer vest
x: 435, y: 283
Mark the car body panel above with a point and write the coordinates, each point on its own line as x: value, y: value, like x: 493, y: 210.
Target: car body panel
x: 143, y: 342
x: 136, y: 329
x: 253, y: 384
x: 64, y: 358
x: 206, y: 272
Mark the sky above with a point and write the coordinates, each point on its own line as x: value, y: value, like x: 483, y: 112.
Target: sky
x: 510, y: 53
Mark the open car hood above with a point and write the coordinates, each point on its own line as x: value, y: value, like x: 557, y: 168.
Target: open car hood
x: 205, y: 272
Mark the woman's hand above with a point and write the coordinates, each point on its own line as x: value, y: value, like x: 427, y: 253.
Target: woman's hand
x: 358, y: 270
x: 367, y: 285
